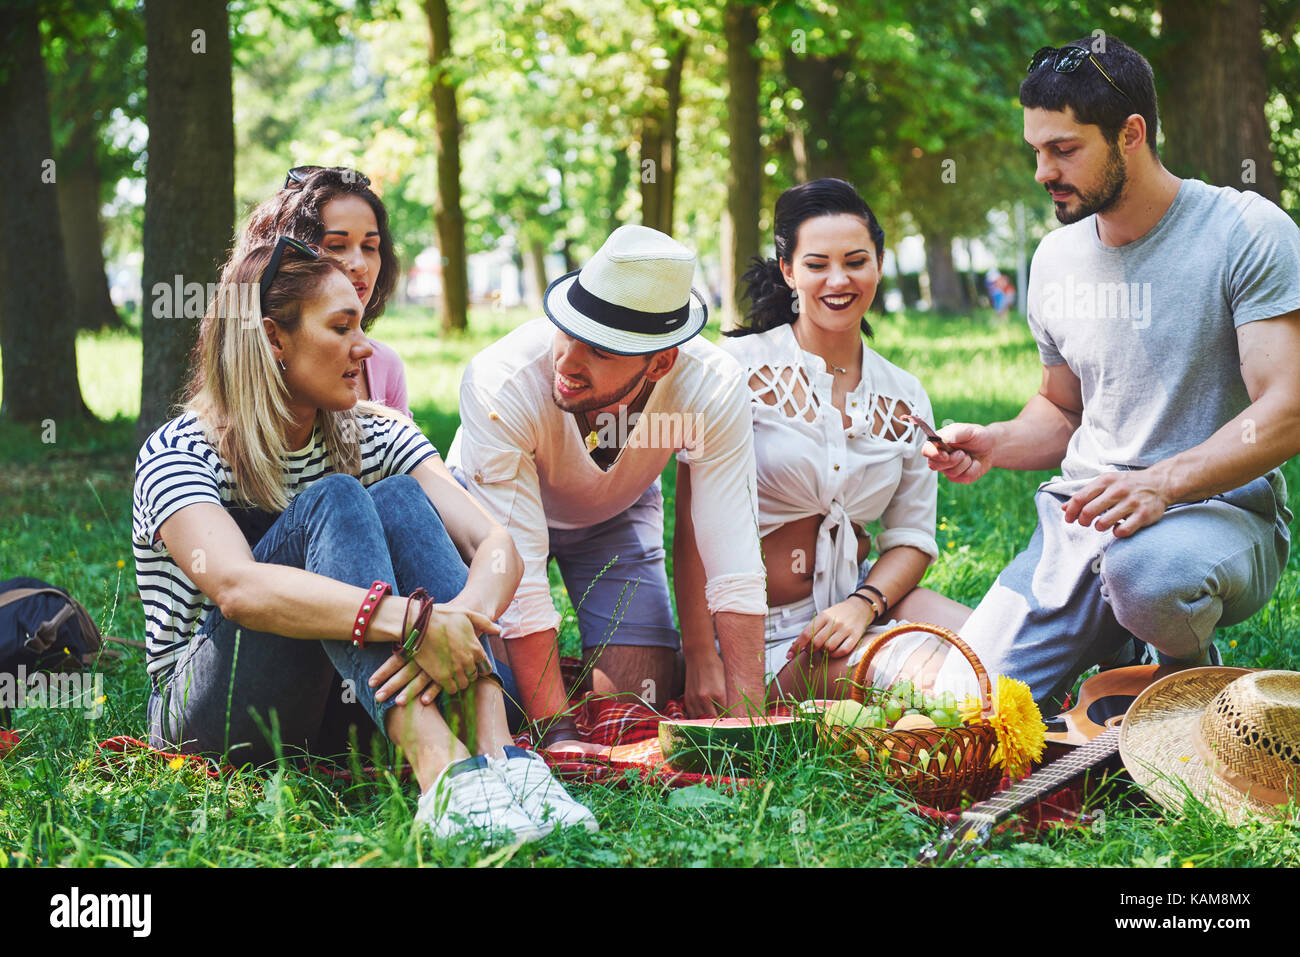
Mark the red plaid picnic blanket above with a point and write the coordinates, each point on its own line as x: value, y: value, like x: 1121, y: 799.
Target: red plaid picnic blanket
x: 630, y: 729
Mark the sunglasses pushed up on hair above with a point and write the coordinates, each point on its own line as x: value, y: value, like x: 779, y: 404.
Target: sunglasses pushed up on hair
x: 272, y: 267
x: 1068, y: 59
x: 299, y: 175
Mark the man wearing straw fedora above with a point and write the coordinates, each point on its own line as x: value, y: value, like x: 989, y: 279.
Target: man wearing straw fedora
x: 1227, y: 737
x: 566, y: 427
x: 1167, y: 318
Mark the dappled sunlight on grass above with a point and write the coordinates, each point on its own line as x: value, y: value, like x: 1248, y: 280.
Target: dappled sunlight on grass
x: 66, y: 518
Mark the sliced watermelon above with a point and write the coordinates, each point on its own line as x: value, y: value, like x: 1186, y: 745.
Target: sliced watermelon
x: 726, y: 746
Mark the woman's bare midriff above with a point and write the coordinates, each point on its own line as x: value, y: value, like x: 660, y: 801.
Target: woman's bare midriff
x: 790, y: 553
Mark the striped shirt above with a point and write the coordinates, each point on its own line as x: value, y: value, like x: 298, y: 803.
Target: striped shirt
x: 178, y: 466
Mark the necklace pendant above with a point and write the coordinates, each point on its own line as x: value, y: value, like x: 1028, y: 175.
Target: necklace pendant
x: 592, y: 440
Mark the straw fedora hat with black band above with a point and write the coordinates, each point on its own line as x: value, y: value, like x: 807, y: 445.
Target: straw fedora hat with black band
x: 633, y: 297
x: 1228, y: 736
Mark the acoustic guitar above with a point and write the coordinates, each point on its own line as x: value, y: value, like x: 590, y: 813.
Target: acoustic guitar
x: 1088, y: 734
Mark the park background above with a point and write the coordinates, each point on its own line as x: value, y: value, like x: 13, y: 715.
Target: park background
x: 507, y: 140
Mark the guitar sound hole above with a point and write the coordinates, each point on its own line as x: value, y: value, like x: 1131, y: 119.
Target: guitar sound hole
x: 1111, y: 706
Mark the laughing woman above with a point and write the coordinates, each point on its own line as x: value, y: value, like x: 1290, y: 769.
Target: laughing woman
x: 287, y: 535
x: 834, y: 452
x: 333, y: 207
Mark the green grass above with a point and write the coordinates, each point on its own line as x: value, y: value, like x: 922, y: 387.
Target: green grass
x: 66, y: 518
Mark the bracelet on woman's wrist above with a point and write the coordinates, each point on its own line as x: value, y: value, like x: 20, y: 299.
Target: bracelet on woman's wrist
x: 884, y: 602
x: 374, y: 595
x: 876, y: 610
x: 409, y: 640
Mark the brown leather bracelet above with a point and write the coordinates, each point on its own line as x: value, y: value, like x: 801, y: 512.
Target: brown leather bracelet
x: 405, y: 646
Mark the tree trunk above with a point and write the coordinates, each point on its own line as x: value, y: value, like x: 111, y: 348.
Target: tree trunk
x: 741, y: 238
x: 447, y: 212
x: 945, y: 290
x: 618, y: 183
x: 535, y: 263
x: 652, y: 176
x: 659, y: 147
x: 969, y: 291
x: 189, y: 207
x: 38, y: 331
x: 1215, y: 91
x: 817, y: 148
x: 79, y: 196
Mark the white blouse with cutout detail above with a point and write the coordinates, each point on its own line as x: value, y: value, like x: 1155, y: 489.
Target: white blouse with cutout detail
x: 810, y: 463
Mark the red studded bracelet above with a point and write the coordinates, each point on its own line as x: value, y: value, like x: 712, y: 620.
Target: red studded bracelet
x: 377, y: 591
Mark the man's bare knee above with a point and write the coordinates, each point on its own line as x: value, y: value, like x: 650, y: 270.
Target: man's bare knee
x: 652, y: 673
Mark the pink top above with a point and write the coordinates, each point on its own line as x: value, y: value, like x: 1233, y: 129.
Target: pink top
x: 387, y: 378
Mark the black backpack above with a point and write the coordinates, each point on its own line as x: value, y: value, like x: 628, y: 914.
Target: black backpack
x: 43, y: 628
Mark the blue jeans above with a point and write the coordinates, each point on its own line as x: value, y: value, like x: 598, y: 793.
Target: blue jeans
x: 232, y: 682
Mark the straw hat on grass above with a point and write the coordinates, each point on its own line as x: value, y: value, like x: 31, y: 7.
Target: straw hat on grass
x: 1229, y: 737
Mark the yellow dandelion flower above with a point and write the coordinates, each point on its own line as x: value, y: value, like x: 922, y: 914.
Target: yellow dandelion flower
x: 943, y: 526
x: 1019, y: 725
x: 176, y: 763
x: 1233, y: 643
x: 951, y: 543
x: 120, y: 563
x: 89, y: 526
x: 1189, y: 863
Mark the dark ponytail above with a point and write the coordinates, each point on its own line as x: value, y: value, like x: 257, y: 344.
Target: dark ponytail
x: 772, y: 302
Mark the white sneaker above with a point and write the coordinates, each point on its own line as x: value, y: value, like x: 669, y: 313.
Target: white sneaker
x: 541, y: 796
x: 472, y: 795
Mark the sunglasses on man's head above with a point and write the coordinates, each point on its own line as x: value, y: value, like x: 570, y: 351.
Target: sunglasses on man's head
x: 298, y: 175
x: 272, y: 267
x: 1069, y: 59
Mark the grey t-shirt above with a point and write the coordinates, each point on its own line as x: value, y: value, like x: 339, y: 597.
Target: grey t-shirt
x: 1149, y: 328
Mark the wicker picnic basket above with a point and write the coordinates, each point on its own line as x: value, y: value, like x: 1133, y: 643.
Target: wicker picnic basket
x: 909, y: 758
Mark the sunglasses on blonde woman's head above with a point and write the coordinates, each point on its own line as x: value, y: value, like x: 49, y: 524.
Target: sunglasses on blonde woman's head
x: 272, y: 267
x: 299, y: 174
x: 1069, y: 59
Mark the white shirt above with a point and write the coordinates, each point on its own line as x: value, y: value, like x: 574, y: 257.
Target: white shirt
x: 526, y: 461
x: 809, y: 463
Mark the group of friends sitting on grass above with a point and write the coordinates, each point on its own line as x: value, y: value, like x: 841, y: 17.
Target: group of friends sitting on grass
x: 308, y: 561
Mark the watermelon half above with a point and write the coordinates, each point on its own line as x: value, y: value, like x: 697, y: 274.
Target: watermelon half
x: 725, y: 746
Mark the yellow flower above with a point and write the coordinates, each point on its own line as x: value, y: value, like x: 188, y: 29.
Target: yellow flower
x: 943, y: 526
x: 1188, y: 864
x: 120, y: 563
x: 176, y: 763
x: 951, y: 543
x: 1017, y: 721
x: 1233, y: 643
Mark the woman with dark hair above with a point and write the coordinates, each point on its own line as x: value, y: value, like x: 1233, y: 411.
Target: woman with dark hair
x: 834, y: 451
x: 334, y: 208
x: 296, y: 547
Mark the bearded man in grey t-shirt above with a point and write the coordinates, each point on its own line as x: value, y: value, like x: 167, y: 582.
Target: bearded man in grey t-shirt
x: 1167, y: 317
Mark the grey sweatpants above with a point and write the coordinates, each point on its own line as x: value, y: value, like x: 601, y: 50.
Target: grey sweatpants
x: 1069, y: 600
